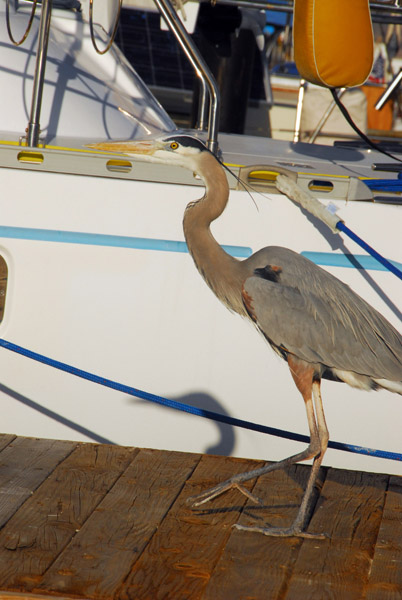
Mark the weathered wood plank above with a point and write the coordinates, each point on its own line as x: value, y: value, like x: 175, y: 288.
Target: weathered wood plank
x: 24, y: 465
x: 6, y: 439
x: 385, y: 581
x: 29, y: 596
x: 254, y: 565
x: 108, y: 522
x: 349, y: 510
x: 34, y: 537
x: 100, y: 556
x: 179, y: 560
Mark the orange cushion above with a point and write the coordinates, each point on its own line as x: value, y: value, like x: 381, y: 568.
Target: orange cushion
x: 333, y: 41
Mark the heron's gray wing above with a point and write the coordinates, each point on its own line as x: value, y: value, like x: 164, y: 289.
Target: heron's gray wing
x: 337, y: 329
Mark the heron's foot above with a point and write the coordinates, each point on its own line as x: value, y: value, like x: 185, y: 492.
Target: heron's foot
x: 219, y: 489
x: 292, y: 531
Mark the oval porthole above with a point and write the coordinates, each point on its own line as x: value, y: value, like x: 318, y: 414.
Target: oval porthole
x: 320, y: 185
x: 119, y: 166
x: 27, y: 156
x: 3, y: 286
x: 259, y: 176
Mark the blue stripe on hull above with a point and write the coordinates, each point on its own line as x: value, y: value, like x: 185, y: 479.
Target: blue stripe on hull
x: 115, y: 241
x: 357, y: 261
x: 329, y: 259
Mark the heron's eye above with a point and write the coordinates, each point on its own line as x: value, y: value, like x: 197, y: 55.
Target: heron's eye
x: 174, y: 146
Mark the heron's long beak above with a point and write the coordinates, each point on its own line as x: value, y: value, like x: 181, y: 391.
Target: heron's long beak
x: 147, y: 147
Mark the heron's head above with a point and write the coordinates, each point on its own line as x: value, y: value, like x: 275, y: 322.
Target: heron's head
x: 181, y: 150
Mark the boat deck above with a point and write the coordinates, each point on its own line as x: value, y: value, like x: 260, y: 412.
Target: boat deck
x: 99, y: 521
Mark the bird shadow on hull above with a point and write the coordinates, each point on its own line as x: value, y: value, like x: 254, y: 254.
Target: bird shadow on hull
x: 227, y: 437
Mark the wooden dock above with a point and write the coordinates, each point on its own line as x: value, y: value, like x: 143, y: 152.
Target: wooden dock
x: 98, y: 521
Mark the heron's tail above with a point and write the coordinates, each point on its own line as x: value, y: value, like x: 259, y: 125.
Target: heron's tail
x: 392, y: 386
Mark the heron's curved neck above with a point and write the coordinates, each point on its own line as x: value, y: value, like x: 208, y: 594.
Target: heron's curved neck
x: 222, y: 272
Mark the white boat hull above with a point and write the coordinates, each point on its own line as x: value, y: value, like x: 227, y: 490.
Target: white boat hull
x: 146, y: 319
x: 90, y: 282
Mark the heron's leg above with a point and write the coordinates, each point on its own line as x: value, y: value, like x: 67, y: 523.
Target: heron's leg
x: 303, y: 376
x: 323, y: 435
x: 234, y: 482
x: 296, y: 528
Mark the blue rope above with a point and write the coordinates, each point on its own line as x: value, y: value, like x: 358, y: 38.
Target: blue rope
x: 384, y: 185
x: 391, y: 267
x: 200, y: 412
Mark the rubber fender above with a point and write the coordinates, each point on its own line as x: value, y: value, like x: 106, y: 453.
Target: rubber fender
x: 333, y: 41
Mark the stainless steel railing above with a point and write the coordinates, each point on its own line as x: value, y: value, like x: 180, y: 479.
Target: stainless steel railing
x: 390, y: 10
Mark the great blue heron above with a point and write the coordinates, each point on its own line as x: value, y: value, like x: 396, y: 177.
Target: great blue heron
x: 311, y: 319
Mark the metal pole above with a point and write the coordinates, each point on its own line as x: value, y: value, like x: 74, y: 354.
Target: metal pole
x: 299, y: 109
x: 202, y: 70
x: 285, y: 6
x: 33, y: 129
x: 202, y: 121
x: 391, y: 87
x: 288, y: 5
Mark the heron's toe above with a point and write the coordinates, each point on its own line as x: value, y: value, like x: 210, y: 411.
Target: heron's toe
x: 219, y: 489
x: 282, y: 532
